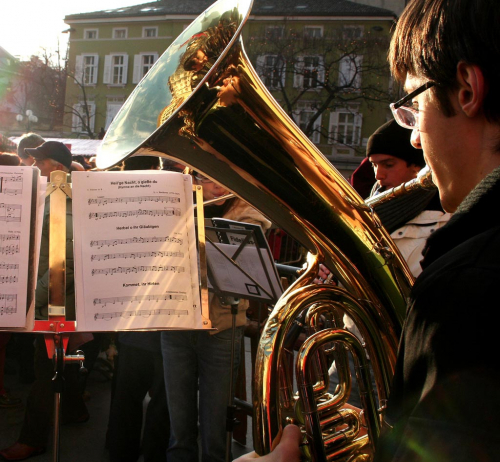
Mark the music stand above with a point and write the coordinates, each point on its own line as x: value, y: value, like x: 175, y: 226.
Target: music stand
x: 239, y: 267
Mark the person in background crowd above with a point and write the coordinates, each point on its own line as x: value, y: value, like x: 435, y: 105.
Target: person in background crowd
x: 410, y: 219
x: 82, y: 161
x: 6, y: 400
x: 48, y: 157
x: 394, y: 159
x: 139, y: 370
x: 9, y: 159
x: 198, y: 363
x: 28, y: 140
x: 362, y: 178
x: 141, y: 163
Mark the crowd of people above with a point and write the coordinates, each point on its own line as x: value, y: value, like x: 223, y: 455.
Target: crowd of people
x: 444, y: 402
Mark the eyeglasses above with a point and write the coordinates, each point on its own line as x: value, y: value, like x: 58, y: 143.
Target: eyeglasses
x: 203, y: 179
x: 402, y: 110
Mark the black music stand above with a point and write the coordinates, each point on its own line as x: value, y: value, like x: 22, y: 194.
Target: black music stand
x: 239, y: 250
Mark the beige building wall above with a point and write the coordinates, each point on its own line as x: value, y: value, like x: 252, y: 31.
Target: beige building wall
x: 397, y: 6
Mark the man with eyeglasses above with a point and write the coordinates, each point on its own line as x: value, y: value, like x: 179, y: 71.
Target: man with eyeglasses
x: 444, y: 403
x: 445, y: 399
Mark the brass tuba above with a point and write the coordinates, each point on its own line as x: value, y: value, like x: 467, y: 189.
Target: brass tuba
x: 203, y: 104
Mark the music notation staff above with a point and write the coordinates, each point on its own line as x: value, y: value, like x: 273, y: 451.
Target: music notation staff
x: 166, y: 212
x: 142, y: 313
x: 11, y: 185
x: 10, y: 212
x: 8, y: 304
x: 9, y: 237
x: 9, y: 266
x: 134, y: 255
x: 125, y: 200
x: 137, y: 269
x: 9, y: 249
x: 135, y: 240
x: 8, y: 279
x: 139, y: 298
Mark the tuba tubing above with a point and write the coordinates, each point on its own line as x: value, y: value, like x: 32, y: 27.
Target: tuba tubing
x: 224, y: 123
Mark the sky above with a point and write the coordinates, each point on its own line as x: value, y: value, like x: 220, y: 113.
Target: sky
x: 28, y: 25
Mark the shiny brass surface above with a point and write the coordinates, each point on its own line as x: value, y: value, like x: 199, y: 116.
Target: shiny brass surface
x: 202, y: 254
x: 220, y: 120
x: 59, y: 190
x: 423, y: 181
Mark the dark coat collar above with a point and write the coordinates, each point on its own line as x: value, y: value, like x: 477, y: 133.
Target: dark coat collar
x: 477, y: 213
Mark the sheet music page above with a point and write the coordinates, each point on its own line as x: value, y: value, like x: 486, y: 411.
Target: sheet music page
x: 135, y: 251
x: 16, y: 226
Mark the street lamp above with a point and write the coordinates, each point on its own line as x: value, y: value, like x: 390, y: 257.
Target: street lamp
x: 30, y: 117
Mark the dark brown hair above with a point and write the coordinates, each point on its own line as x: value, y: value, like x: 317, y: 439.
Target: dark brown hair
x: 433, y: 36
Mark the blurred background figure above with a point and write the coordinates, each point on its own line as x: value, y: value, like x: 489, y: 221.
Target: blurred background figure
x: 197, y: 363
x: 28, y: 140
x: 142, y: 163
x: 138, y: 371
x: 412, y: 218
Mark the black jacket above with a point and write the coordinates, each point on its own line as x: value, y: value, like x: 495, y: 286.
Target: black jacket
x: 445, y: 399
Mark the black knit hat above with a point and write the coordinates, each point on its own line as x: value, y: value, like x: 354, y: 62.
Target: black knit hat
x: 394, y: 140
x: 52, y: 150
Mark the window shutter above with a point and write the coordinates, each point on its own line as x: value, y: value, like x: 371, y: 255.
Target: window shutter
x: 316, y: 137
x: 92, y: 116
x: 334, y: 123
x: 298, y: 77
x: 79, y: 69
x: 76, y: 123
x: 96, y: 69
x: 344, y: 72
x: 321, y: 72
x: 357, y: 81
x: 358, y: 122
x: 260, y: 63
x: 155, y: 57
x: 107, y: 69
x: 125, y: 69
x: 282, y: 69
x: 136, y: 76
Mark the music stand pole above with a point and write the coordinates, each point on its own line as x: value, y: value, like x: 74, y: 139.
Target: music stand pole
x: 231, y: 408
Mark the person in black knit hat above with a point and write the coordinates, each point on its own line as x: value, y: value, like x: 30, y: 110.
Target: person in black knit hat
x: 412, y: 218
x: 393, y: 158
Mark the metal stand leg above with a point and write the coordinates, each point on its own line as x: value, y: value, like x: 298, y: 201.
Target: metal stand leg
x: 231, y: 408
x: 56, y: 345
x: 58, y: 386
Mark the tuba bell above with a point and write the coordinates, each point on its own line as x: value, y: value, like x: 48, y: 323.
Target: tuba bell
x: 203, y: 104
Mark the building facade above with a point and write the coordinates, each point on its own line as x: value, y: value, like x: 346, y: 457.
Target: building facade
x: 8, y: 73
x: 323, y: 61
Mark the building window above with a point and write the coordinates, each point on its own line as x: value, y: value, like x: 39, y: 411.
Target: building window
x: 303, y: 116
x: 120, y: 33
x: 142, y: 63
x: 345, y: 126
x: 271, y: 69
x: 352, y: 32
x: 350, y: 72
x: 115, y: 69
x: 275, y: 32
x: 86, y: 69
x: 90, y: 34
x: 309, y: 72
x: 313, y: 32
x: 83, y: 117
x: 113, y: 106
x: 150, y: 32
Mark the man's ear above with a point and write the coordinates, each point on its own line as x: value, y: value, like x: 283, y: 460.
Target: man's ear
x: 471, y: 88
